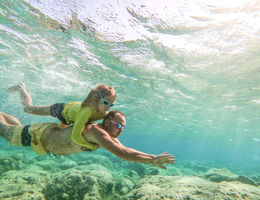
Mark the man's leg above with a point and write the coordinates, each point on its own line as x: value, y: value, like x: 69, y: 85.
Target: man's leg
x: 9, y: 119
x: 7, y: 125
x: 27, y: 101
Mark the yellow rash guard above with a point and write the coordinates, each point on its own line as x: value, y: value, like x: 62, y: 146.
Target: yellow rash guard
x: 74, y: 113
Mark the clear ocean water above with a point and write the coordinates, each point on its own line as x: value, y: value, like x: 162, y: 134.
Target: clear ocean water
x: 187, y: 73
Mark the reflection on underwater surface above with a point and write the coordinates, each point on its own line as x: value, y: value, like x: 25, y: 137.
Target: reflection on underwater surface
x: 186, y: 74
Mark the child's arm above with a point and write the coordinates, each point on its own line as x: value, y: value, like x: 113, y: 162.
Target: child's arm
x: 78, y: 127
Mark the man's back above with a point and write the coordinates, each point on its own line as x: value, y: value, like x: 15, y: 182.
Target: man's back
x: 58, y: 141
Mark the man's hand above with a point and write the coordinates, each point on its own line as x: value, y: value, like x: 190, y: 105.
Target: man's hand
x: 163, y: 159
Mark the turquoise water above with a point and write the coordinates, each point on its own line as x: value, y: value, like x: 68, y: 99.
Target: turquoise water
x: 187, y: 74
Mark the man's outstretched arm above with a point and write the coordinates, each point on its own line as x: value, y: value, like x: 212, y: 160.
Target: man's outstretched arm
x: 129, y: 154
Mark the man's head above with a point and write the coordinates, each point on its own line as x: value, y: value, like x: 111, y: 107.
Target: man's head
x: 114, y: 123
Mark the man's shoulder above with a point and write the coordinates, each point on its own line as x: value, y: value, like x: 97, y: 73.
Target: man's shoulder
x: 93, y: 128
x: 97, y: 128
x: 96, y: 134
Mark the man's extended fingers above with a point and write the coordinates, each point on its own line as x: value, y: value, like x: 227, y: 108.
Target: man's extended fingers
x: 169, y: 157
x: 164, y: 158
x: 161, y: 166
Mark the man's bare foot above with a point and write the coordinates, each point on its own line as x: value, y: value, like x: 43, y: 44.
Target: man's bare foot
x: 15, y: 88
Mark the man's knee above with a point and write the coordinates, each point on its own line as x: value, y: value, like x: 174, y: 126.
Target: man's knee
x: 2, y: 117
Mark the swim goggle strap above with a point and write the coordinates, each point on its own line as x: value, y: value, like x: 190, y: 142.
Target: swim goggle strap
x: 104, y: 101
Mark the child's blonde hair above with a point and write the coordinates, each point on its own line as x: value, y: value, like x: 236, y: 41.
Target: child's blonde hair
x: 93, y: 96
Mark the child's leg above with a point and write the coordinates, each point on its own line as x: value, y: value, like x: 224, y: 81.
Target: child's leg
x: 27, y: 101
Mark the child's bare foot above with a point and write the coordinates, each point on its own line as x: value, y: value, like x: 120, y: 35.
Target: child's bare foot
x: 14, y: 88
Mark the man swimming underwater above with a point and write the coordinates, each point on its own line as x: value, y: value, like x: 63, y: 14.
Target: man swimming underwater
x: 50, y: 138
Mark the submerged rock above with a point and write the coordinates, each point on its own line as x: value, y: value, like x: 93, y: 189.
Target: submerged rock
x: 219, y: 175
x: 13, y: 162
x: 152, y: 171
x: 95, y: 177
x: 88, y: 158
x: 80, y: 184
x: 139, y: 168
x: 23, y: 185
x: 256, y: 179
x: 123, y: 186
x: 245, y: 179
x: 185, y: 187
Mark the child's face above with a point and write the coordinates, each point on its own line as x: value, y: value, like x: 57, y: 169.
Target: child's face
x: 105, y: 103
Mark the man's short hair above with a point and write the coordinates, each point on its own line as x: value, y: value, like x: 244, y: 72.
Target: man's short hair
x: 112, y: 114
